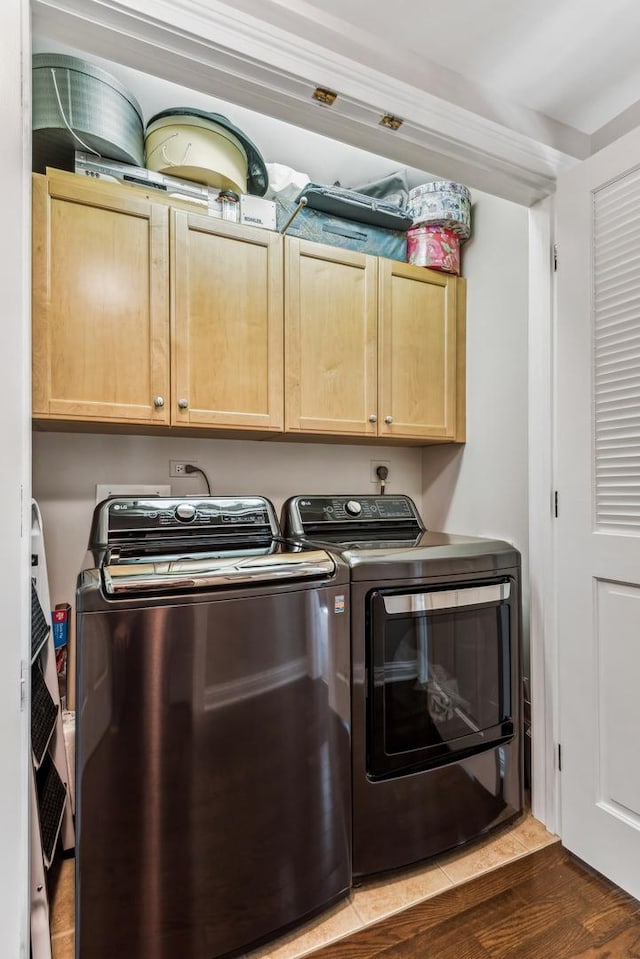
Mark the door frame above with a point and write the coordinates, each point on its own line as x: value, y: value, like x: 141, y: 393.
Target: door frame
x: 545, y: 797
x: 15, y: 474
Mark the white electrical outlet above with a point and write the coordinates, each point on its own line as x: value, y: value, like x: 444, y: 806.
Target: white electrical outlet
x: 177, y: 467
x: 103, y: 490
x: 374, y: 466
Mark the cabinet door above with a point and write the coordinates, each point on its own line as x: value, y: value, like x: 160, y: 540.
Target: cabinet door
x: 226, y: 324
x: 417, y: 362
x: 330, y: 340
x: 100, y: 304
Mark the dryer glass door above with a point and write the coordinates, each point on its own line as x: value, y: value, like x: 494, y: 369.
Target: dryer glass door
x: 439, y: 674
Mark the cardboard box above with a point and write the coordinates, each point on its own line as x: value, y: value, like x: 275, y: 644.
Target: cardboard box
x: 254, y: 211
x: 61, y: 617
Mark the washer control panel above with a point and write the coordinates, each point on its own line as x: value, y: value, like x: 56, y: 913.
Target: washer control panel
x: 131, y: 518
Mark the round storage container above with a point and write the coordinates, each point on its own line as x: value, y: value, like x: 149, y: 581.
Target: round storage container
x: 205, y: 147
x: 77, y: 106
x: 434, y: 246
x: 442, y: 203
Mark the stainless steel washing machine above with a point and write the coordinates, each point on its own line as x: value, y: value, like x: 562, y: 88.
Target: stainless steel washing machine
x: 213, y: 730
x: 436, y: 704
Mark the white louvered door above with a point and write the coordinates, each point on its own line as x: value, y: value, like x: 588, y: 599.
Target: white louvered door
x: 598, y: 525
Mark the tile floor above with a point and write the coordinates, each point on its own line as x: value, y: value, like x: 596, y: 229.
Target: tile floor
x: 368, y: 903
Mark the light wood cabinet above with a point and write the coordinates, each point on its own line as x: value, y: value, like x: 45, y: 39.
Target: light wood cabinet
x: 147, y: 314
x: 100, y: 304
x: 226, y: 324
x: 151, y: 315
x: 331, y: 340
x: 373, y: 347
x: 417, y: 358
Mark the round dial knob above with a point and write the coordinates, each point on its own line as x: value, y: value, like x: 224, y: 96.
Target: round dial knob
x: 353, y: 507
x: 185, y: 512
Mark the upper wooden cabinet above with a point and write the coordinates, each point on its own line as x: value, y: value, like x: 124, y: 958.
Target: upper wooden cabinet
x: 226, y: 324
x: 330, y: 340
x: 149, y: 314
x: 373, y: 347
x: 418, y: 345
x: 100, y: 304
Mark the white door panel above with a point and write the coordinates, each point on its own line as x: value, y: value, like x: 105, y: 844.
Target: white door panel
x: 598, y: 526
x: 617, y: 641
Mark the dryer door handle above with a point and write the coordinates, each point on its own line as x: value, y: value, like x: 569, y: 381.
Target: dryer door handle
x: 447, y: 598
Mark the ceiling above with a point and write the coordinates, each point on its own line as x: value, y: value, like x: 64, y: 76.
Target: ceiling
x: 575, y: 61
x: 504, y: 95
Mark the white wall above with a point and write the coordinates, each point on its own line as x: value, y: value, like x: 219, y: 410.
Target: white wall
x: 482, y: 487
x: 14, y: 471
x: 67, y: 466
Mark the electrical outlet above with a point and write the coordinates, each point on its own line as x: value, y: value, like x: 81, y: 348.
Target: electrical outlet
x: 177, y: 467
x: 374, y: 466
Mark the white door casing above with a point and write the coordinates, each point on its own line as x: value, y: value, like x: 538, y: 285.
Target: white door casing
x: 598, y: 526
x: 15, y: 469
x: 542, y: 631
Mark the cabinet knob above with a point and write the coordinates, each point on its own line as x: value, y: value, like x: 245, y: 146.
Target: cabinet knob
x: 373, y: 418
x: 158, y: 402
x: 388, y: 419
x: 183, y: 404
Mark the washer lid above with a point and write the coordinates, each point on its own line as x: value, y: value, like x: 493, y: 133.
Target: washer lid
x: 211, y: 572
x: 258, y: 178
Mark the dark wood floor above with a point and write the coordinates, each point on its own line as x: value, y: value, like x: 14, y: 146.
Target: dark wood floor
x: 548, y: 905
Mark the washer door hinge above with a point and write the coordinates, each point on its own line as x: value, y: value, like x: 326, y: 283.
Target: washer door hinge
x: 560, y: 757
x: 555, y: 503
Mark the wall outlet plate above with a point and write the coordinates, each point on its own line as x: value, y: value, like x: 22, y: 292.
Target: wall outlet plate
x: 103, y: 490
x: 177, y: 467
x: 374, y: 466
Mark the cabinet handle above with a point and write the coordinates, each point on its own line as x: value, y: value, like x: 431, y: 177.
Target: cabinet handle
x: 388, y: 419
x: 183, y: 404
x: 373, y: 418
x: 158, y: 402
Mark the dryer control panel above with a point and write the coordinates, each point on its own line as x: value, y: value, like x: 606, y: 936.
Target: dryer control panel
x: 353, y: 513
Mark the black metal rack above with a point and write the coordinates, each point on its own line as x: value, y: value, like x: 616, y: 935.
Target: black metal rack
x: 51, y: 816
